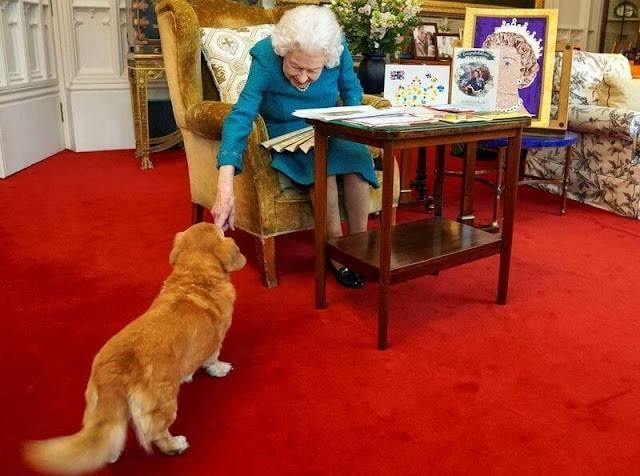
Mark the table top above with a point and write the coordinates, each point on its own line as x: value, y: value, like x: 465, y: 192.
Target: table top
x: 537, y: 141
x: 431, y: 129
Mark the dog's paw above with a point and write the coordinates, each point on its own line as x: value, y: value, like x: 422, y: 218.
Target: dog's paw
x: 219, y: 369
x: 114, y: 457
x: 177, y: 445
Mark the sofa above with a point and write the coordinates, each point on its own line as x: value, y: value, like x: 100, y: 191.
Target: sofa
x: 605, y: 172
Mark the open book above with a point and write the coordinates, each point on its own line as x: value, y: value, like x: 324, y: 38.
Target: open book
x: 300, y: 139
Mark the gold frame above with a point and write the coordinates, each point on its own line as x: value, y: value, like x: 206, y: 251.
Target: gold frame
x: 429, y: 7
x: 544, y: 112
x: 443, y: 7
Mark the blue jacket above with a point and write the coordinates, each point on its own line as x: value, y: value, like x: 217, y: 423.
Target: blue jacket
x: 270, y: 94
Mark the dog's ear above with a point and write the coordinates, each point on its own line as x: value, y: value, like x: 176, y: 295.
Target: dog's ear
x: 229, y: 255
x: 175, y: 251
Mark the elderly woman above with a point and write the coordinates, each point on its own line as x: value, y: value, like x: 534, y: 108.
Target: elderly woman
x: 305, y: 64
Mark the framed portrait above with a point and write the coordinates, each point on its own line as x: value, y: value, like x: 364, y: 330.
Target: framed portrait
x: 446, y: 42
x: 424, y: 41
x: 526, y: 40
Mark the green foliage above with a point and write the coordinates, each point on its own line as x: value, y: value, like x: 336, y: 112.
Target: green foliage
x: 377, y: 26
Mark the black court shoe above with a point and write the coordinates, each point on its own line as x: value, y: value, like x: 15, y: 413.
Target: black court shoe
x: 345, y: 276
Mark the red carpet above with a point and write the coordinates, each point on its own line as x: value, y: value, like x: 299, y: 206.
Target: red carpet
x: 549, y: 384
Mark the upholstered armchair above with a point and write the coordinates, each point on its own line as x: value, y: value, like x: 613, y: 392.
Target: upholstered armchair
x: 262, y: 208
x: 605, y: 172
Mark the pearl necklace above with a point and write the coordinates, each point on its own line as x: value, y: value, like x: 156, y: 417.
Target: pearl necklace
x: 513, y: 108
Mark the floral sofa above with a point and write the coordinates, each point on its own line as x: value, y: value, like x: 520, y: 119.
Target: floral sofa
x: 605, y: 172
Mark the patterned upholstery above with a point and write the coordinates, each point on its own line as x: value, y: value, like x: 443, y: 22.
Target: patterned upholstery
x: 226, y: 51
x: 606, y: 169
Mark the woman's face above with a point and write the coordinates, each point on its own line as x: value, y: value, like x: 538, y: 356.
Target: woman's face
x: 301, y: 68
x: 510, y: 70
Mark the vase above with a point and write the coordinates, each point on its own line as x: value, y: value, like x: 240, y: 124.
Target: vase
x: 371, y: 72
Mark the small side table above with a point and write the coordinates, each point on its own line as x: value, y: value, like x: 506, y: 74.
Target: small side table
x: 395, y: 253
x: 141, y: 69
x: 564, y: 140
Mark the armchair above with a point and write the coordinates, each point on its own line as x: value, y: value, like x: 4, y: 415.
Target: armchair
x: 262, y: 208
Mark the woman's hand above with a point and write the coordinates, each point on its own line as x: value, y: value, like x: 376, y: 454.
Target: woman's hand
x: 224, y: 208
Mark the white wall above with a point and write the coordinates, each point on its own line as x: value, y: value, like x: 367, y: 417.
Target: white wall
x: 579, y: 22
x: 95, y: 90
x: 30, y: 120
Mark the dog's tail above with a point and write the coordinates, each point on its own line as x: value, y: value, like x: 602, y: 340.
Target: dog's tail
x: 100, y: 441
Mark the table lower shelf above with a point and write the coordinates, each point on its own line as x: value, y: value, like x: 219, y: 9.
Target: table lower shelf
x: 417, y: 248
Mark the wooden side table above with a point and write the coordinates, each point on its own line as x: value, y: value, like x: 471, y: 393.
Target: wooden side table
x: 396, y: 253
x: 141, y: 69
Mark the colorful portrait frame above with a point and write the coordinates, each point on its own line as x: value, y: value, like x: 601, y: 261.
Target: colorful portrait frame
x: 542, y: 27
x: 420, y: 51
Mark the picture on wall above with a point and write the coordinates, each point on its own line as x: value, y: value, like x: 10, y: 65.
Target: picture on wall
x: 446, y: 42
x: 475, y: 78
x: 525, y: 39
x: 416, y: 85
x: 424, y: 41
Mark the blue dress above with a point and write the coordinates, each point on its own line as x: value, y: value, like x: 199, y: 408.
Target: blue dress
x: 270, y: 94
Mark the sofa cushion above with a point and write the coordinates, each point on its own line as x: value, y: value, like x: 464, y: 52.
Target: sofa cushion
x: 588, y: 71
x: 621, y: 93
x: 226, y: 51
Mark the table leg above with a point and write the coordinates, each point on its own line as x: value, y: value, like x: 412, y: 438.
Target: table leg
x: 421, y: 174
x: 405, y: 176
x: 502, y: 152
x: 133, y: 82
x: 468, y: 174
x: 509, y: 204
x: 438, y: 186
x: 143, y: 118
x: 565, y: 179
x: 320, y: 212
x: 385, y: 244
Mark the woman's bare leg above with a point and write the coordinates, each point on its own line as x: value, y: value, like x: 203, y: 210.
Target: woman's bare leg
x: 356, y: 202
x: 334, y: 225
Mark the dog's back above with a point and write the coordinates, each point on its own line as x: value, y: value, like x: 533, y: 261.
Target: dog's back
x: 137, y: 373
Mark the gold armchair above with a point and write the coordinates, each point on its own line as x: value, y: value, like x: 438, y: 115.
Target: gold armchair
x: 262, y: 208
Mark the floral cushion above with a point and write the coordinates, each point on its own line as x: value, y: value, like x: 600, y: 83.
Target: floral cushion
x: 226, y: 52
x: 587, y: 72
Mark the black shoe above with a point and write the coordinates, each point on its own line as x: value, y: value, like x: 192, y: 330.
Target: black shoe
x: 346, y: 277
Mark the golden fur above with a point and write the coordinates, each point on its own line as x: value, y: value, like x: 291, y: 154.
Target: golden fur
x: 138, y: 372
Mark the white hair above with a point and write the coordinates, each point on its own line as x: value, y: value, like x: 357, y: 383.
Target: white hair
x: 312, y: 29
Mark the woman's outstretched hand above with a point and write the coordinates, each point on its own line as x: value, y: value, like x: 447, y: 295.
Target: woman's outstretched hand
x: 224, y: 208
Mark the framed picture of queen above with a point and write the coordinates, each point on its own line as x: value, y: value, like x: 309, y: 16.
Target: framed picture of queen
x: 526, y: 40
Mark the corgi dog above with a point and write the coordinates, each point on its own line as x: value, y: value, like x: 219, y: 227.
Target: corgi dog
x: 137, y: 373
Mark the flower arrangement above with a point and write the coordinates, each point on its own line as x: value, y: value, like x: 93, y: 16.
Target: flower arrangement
x: 376, y: 26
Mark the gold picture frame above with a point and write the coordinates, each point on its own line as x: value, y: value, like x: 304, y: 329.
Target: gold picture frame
x: 457, y: 9
x: 429, y: 7
x: 535, y: 94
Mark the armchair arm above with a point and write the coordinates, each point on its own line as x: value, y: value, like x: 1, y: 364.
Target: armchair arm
x: 206, y: 118
x: 619, y: 123
x: 375, y: 101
